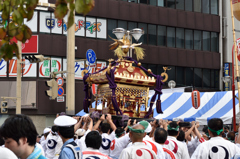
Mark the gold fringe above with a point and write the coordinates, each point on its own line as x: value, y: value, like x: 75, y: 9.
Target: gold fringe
x: 119, y: 53
x: 139, y: 53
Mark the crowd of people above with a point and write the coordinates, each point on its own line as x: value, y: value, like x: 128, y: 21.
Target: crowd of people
x: 102, y: 138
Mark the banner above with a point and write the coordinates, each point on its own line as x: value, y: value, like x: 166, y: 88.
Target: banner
x: 3, y: 68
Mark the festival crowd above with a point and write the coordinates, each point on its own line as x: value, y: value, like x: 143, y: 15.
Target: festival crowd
x: 103, y: 138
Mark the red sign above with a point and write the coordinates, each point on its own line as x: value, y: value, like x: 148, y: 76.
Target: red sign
x: 60, y: 81
x: 30, y: 46
x: 195, y: 99
x: 60, y: 91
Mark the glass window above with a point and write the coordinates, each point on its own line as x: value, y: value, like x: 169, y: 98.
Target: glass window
x: 214, y: 7
x: 180, y: 76
x: 112, y: 24
x: 214, y: 42
x: 189, y: 75
x: 160, y: 69
x: 206, y: 77
x: 180, y: 4
x: 152, y: 32
x: 212, y: 78
x: 153, y: 68
x: 189, y: 5
x: 197, y: 77
x: 205, y: 6
x: 197, y: 5
x: 197, y: 40
x: 143, y: 1
x: 132, y: 25
x: 161, y: 3
x: 171, y: 73
x: 171, y: 3
x: 122, y: 24
x: 206, y: 41
x: 188, y: 39
x: 161, y: 35
x: 179, y: 37
x: 216, y: 78
x: 134, y: 1
x: 170, y: 37
x: 143, y: 38
x: 153, y: 2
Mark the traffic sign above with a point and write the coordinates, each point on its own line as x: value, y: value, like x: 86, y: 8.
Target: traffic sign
x: 60, y: 99
x: 91, y: 56
x: 60, y: 91
x: 60, y: 81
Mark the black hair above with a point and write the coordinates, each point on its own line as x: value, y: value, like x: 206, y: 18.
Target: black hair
x: 231, y: 136
x: 119, y: 131
x: 93, y: 140
x: 205, y: 129
x: 66, y: 132
x: 105, y: 127
x: 2, y: 142
x: 160, y: 135
x: 19, y: 126
x: 173, y: 124
x: 46, y: 134
x: 181, y: 136
x: 54, y: 129
x: 215, y: 124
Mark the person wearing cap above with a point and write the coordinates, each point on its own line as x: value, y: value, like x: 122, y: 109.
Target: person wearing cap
x: 54, y: 143
x: 20, y: 136
x: 46, y: 131
x: 216, y: 147
x: 173, y: 144
x: 138, y: 149
x: 69, y: 150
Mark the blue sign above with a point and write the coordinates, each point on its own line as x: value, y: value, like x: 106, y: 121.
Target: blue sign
x: 60, y: 91
x: 91, y: 56
x: 50, y: 23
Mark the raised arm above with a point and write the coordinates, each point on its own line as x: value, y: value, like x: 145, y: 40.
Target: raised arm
x: 77, y: 126
x: 109, y: 119
x: 90, y: 121
x: 128, y: 124
x: 190, y: 130
x: 95, y: 127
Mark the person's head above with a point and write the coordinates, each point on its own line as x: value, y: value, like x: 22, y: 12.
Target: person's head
x: 54, y: 130
x: 38, y: 138
x: 181, y: 136
x: 119, y: 132
x: 226, y: 128
x: 19, y: 134
x: 173, y: 129
x: 215, y: 127
x: 231, y: 136
x: 160, y: 135
x: 79, y: 133
x: 66, y: 132
x: 137, y: 133
x: 93, y: 140
x: 46, y: 131
x: 105, y: 128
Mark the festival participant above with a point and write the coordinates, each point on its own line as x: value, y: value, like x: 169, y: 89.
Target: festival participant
x: 20, y: 136
x: 160, y: 136
x: 5, y: 153
x: 173, y: 144
x: 46, y: 131
x: 216, y: 147
x: 107, y: 137
x: 69, y: 150
x: 138, y: 149
x: 93, y: 142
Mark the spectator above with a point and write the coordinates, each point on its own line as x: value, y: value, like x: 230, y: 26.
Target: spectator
x: 5, y: 153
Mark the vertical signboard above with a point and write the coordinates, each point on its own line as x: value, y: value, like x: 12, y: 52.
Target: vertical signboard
x: 44, y: 68
x: 45, y: 22
x: 79, y: 67
x: 56, y: 65
x: 3, y: 68
x: 90, y: 27
x: 33, y: 23
x: 100, y: 27
x: 226, y: 73
x: 57, y: 28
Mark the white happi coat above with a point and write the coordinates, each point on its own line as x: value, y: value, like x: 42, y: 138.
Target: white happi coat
x: 81, y: 142
x: 106, y: 142
x: 216, y: 148
x: 117, y: 145
x: 138, y: 150
x: 177, y: 147
x: 93, y: 153
x: 169, y: 154
x: 54, y: 145
x: 154, y: 146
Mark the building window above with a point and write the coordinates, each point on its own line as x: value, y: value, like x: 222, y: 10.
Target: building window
x: 152, y: 32
x: 153, y: 68
x: 189, y: 75
x: 212, y: 79
x: 180, y: 4
x: 180, y: 80
x: 216, y: 79
x: 197, y: 77
x: 153, y: 2
x: 143, y: 38
x: 122, y: 24
x: 206, y: 41
x: 143, y: 1
x: 205, y: 6
x: 161, y: 3
x: 197, y: 5
x: 197, y: 40
x: 189, y: 5
x: 179, y: 37
x: 132, y: 25
x: 112, y: 24
x: 171, y: 73
x: 206, y: 77
x: 214, y: 42
x: 171, y: 3
x: 170, y: 37
x: 188, y: 39
x: 161, y: 35
x: 214, y: 7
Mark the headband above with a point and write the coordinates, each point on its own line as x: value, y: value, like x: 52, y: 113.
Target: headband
x: 171, y: 128
x: 136, y: 130
x: 118, y: 135
x: 216, y: 131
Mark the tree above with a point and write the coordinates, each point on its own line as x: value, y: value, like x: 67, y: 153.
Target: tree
x: 24, y: 9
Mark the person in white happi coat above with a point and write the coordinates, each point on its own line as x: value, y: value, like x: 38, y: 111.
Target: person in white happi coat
x: 138, y: 149
x: 93, y: 143
x: 43, y: 143
x: 107, y: 137
x: 173, y: 144
x: 216, y: 147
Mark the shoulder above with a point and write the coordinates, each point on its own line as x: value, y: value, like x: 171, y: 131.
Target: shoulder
x: 42, y: 157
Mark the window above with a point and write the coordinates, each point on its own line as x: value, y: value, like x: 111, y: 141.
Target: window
x: 216, y: 78
x: 153, y: 2
x: 188, y: 39
x: 153, y: 68
x: 180, y: 4
x: 205, y: 6
x: 122, y: 24
x: 160, y: 69
x: 143, y: 38
x: 132, y: 25
x: 197, y: 40
x: 180, y: 76
x: 179, y: 38
x: 189, y: 5
x: 206, y: 41
x: 144, y: 1
x: 212, y: 79
x: 214, y: 7
x: 170, y: 37
x: 206, y: 77
x: 189, y: 75
x: 171, y: 3
x: 171, y: 73
x: 161, y: 35
x: 197, y: 77
x: 112, y: 24
x: 161, y: 3
x: 214, y: 42
x: 152, y: 32
x: 197, y: 5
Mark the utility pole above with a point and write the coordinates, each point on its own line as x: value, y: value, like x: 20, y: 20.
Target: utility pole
x: 19, y: 80
x: 70, y: 87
